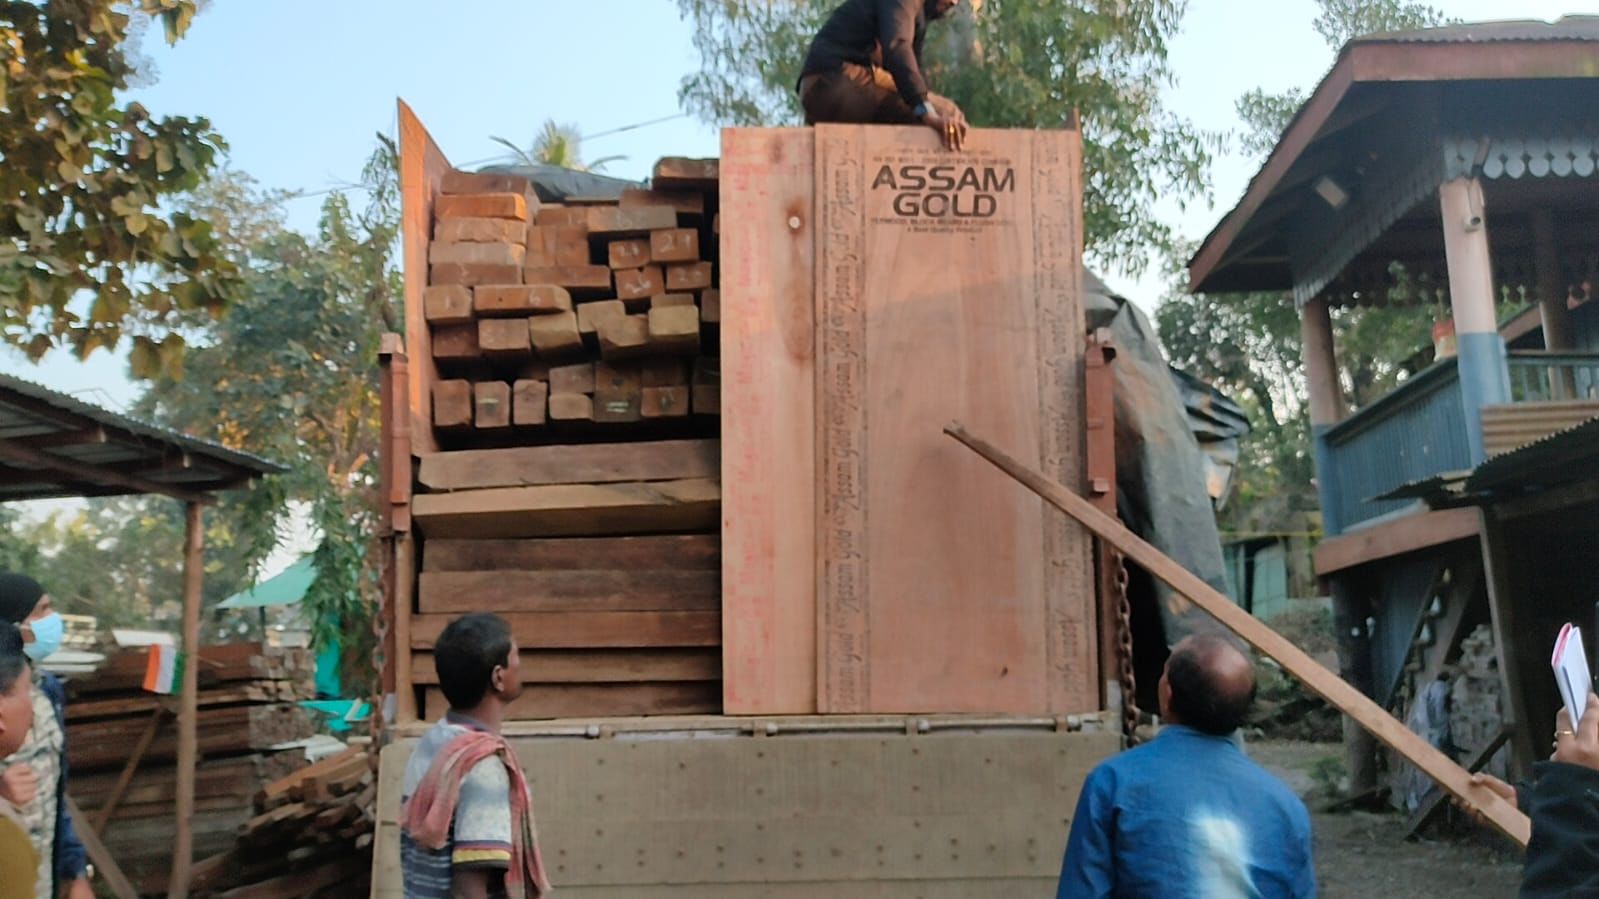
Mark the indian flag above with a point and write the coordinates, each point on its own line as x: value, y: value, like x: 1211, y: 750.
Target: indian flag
x: 163, y: 673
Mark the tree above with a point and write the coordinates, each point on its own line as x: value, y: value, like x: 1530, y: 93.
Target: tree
x: 89, y: 250
x: 1249, y: 344
x: 557, y: 145
x: 291, y: 373
x: 1017, y: 63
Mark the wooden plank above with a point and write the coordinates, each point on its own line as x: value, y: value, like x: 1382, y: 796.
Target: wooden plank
x: 452, y: 404
x: 668, y: 300
x: 689, y: 276
x: 591, y: 630
x: 675, y: 329
x: 1395, y: 538
x: 589, y: 700
x: 624, y: 337
x: 592, y: 314
x: 707, y: 387
x: 487, y: 205
x: 639, y: 283
x: 589, y: 463
x: 520, y: 299
x: 405, y: 568
x: 109, y: 808
x: 627, y: 254
x: 471, y: 230
x: 454, y: 343
x: 618, y: 393
x: 666, y: 371
x: 682, y: 552
x: 908, y: 576
x: 600, y: 666
x: 559, y: 214
x: 472, y: 274
x: 491, y: 405
x: 422, y: 169
x: 664, y: 402
x: 577, y: 378
x: 529, y: 403
x: 555, y: 336
x: 1433, y: 802
x: 557, y: 246
x: 768, y: 529
x: 104, y: 864
x: 675, y: 245
x: 455, y: 181
x: 585, y: 280
x: 569, y: 591
x: 711, y: 306
x: 507, y: 254
x: 506, y: 338
x: 680, y: 173
x: 571, y: 510
x: 685, y: 202
x: 1392, y: 732
x: 572, y: 407
x: 639, y: 220
x: 447, y: 304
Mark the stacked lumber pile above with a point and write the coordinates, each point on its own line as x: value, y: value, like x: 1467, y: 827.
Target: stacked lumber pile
x: 122, y: 749
x: 563, y: 317
x: 579, y: 494
x: 310, y: 835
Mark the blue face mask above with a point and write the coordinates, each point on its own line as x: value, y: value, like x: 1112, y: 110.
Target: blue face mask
x: 47, y: 634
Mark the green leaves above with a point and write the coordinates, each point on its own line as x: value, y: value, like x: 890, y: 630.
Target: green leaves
x: 90, y: 185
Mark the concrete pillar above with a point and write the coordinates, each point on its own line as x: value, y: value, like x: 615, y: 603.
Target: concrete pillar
x: 1326, y: 402
x: 1484, y: 378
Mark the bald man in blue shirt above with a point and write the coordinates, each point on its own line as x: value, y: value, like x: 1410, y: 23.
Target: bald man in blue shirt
x: 1188, y: 814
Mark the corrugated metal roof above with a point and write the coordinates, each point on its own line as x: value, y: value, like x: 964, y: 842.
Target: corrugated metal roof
x: 1560, y: 457
x: 43, y: 427
x: 1567, y: 28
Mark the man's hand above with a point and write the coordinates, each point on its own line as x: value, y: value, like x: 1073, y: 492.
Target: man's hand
x: 1496, y: 786
x: 1578, y: 745
x: 78, y: 889
x: 19, y: 784
x: 947, y: 119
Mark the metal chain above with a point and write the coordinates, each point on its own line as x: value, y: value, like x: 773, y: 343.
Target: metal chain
x: 1124, y: 651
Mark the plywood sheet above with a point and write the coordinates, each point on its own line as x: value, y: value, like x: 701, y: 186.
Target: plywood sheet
x: 947, y: 288
x: 768, y: 421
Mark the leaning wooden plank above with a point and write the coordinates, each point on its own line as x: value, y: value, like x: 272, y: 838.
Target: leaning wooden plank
x: 103, y: 862
x: 678, y: 173
x: 573, y: 510
x: 603, y: 700
x: 590, y: 630
x: 684, y: 552
x: 600, y: 666
x: 591, y: 463
x: 1385, y: 727
x: 569, y: 591
x: 768, y: 531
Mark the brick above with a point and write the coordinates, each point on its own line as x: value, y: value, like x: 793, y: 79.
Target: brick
x: 624, y: 337
x: 484, y: 205
x: 675, y: 329
x: 456, y: 343
x: 664, y: 402
x: 552, y: 246
x: 491, y: 404
x: 572, y: 407
x: 552, y: 214
x: 589, y: 315
x: 665, y: 371
x: 472, y: 230
x: 685, y: 202
x: 447, y: 304
x: 504, y: 337
x: 689, y: 276
x: 662, y: 301
x: 473, y: 275
x: 529, y: 402
x: 711, y: 306
x: 477, y: 253
x: 555, y: 335
x: 520, y: 299
x: 675, y: 245
x: 639, y: 283
x: 577, y: 378
x: 458, y: 182
x: 638, y: 220
x: 585, y: 278
x: 452, y: 404
x: 628, y: 253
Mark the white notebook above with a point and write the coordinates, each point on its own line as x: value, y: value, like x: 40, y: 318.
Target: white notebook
x: 1571, y: 671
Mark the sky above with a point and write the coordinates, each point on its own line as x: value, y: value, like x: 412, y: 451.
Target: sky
x: 299, y: 88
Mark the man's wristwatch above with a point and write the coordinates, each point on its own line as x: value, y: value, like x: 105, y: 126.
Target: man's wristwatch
x: 921, y: 110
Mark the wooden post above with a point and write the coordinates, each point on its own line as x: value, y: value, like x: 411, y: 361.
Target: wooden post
x: 1099, y: 458
x: 1484, y: 380
x: 188, y: 710
x: 1502, y: 614
x: 1553, y: 293
x: 1453, y: 778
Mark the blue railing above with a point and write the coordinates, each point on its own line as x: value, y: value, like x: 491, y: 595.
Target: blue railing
x: 1414, y: 432
x: 1539, y: 376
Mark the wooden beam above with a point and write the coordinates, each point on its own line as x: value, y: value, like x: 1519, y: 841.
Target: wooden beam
x: 188, y: 710
x: 1502, y: 614
x: 94, y: 474
x: 571, y: 510
x: 592, y: 463
x: 1431, y: 804
x: 79, y: 437
x: 1456, y: 780
x: 1395, y: 538
x: 104, y: 864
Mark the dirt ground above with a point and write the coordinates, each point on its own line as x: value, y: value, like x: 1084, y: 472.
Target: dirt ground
x: 1365, y: 856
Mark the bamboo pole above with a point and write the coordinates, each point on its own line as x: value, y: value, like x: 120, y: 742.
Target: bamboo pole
x: 1451, y: 777
x: 188, y: 709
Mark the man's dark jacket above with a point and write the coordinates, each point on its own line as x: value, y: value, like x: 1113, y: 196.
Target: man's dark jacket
x: 885, y: 33
x: 1563, y: 855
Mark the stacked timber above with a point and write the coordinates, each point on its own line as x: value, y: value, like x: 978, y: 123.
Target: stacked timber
x: 586, y: 515
x: 122, y: 749
x: 310, y: 835
x: 577, y: 319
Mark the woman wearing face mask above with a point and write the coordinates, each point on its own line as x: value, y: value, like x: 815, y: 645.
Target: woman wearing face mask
x: 34, y: 778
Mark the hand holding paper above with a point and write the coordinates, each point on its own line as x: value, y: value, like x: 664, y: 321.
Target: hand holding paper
x: 1570, y: 663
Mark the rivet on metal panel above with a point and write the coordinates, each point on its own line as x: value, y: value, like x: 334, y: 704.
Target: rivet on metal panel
x: 794, y: 223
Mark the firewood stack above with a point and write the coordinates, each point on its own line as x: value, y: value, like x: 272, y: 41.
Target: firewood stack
x: 578, y: 408
x: 311, y: 835
x: 554, y: 319
x: 247, y: 704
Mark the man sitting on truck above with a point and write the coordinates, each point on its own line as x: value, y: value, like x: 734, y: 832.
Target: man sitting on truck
x: 467, y: 812
x: 865, y: 67
x: 1189, y: 814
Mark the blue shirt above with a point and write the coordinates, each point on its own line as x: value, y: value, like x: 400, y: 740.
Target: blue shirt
x: 1187, y: 815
